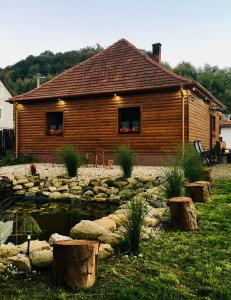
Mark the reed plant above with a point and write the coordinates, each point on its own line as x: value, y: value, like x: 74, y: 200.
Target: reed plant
x: 72, y: 160
x: 125, y: 157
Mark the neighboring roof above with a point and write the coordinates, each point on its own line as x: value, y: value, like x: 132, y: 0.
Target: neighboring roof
x: 119, y: 68
x: 6, y: 87
x: 225, y: 123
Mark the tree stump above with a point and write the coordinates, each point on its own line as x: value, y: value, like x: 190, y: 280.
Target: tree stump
x: 207, y: 174
x: 183, y: 213
x: 75, y: 263
x: 199, y: 191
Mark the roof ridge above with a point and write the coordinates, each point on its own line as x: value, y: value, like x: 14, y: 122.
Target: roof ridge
x: 152, y: 61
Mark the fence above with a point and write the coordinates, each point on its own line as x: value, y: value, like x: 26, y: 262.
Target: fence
x: 7, y: 142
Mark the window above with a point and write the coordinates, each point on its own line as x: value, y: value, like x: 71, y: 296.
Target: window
x: 129, y: 120
x: 54, y: 123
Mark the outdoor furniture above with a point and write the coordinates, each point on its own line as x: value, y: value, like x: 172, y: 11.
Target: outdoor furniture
x: 90, y: 158
x: 209, y: 156
x: 109, y: 164
x: 99, y: 157
x: 199, y: 191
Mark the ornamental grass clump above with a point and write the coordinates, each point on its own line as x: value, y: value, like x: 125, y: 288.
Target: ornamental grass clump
x: 192, y: 164
x: 126, y: 160
x: 133, y: 223
x: 173, y: 181
x: 72, y: 160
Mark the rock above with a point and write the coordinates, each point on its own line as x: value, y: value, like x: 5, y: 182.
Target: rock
x: 106, y: 223
x: 8, y: 250
x: 42, y: 176
x: 17, y: 187
x: 74, y: 184
x: 52, y: 188
x: 34, y: 245
x: 120, y: 183
x: 117, y: 218
x: 126, y: 194
x: 89, y: 193
x: 14, y: 182
x: 45, y: 193
x: 56, y: 183
x: 20, y: 192
x: 2, y: 268
x: 63, y: 188
x: 87, y: 230
x: 151, y: 221
x: 41, y: 258
x: 28, y: 184
x: 105, y: 250
x: 112, y: 191
x: 132, y: 181
x: 55, y: 196
x: 159, y: 204
x: 114, y: 198
x: 155, y: 212
x: 55, y: 237
x: 20, y: 261
x: 22, y: 180
x: 110, y: 238
x: 67, y: 195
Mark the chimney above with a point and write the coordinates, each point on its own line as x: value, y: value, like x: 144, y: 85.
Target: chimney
x: 156, y: 52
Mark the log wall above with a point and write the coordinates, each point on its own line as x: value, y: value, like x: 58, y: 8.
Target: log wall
x: 92, y: 123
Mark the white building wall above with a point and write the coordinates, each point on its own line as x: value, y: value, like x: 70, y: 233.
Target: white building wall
x: 226, y: 134
x: 6, y: 113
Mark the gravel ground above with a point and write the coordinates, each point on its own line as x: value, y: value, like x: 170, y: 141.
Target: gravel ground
x: 219, y: 171
x: 84, y: 172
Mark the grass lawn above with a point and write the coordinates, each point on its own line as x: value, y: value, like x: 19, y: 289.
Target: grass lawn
x: 178, y: 265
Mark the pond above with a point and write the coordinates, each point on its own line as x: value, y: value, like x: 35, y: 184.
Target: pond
x: 54, y: 217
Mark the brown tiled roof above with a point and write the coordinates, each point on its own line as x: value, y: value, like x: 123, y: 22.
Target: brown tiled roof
x: 120, y: 67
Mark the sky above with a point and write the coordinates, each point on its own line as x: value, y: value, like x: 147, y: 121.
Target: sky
x: 196, y: 31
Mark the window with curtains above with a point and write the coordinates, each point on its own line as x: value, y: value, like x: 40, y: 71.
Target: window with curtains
x: 54, y: 121
x: 129, y: 120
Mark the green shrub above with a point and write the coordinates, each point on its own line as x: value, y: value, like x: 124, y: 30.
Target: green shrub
x: 126, y: 160
x: 173, y: 181
x: 11, y: 160
x: 72, y: 160
x: 192, y: 164
x: 133, y: 223
x: 28, y: 224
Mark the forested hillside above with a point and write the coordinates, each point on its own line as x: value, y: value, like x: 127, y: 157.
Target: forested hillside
x: 21, y: 77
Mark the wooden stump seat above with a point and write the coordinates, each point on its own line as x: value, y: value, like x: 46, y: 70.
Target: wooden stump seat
x: 183, y: 213
x: 199, y: 191
x: 75, y: 262
x: 207, y: 174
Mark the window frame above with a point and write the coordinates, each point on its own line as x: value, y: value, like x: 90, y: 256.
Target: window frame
x: 118, y: 119
x: 46, y: 129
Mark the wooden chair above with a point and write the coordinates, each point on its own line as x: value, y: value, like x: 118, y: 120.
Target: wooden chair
x: 90, y: 159
x: 99, y: 157
x: 209, y: 156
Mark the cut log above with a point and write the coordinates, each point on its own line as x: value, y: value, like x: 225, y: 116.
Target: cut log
x: 199, y: 191
x: 75, y: 263
x: 183, y: 213
x: 207, y: 174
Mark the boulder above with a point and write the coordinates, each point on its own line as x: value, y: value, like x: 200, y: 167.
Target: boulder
x: 117, y: 218
x: 28, y: 184
x: 151, y: 222
x: 126, y: 194
x: 105, y: 250
x: 55, y: 237
x: 87, y: 230
x: 55, y: 196
x: 110, y: 238
x: 34, y: 245
x: 22, y: 180
x: 20, y: 261
x: 8, y: 250
x: 114, y: 198
x: 45, y: 193
x: 120, y: 183
x: 52, y: 188
x: 17, y: 187
x: 112, y: 191
x: 89, y: 193
x: 106, y: 223
x: 63, y: 188
x: 67, y: 195
x: 74, y: 184
x: 41, y: 258
x: 132, y: 181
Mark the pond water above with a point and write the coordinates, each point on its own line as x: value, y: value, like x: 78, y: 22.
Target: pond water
x: 54, y: 217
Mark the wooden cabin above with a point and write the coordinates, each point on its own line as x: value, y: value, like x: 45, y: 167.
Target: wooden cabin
x: 119, y: 96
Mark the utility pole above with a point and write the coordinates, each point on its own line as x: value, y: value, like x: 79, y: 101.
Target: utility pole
x: 39, y: 76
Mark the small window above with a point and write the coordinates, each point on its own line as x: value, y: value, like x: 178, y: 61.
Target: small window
x: 213, y: 123
x: 129, y: 120
x: 54, y: 123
